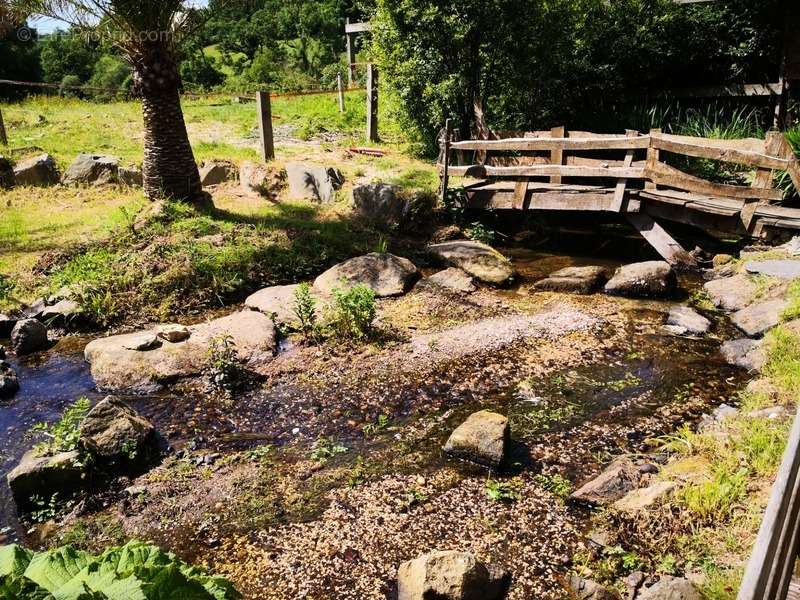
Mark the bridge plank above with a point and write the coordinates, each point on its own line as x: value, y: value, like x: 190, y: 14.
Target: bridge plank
x: 701, y: 149
x: 663, y: 174
x: 570, y: 143
x: 482, y: 171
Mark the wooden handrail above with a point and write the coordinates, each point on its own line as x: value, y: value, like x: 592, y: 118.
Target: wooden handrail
x: 568, y: 143
x: 772, y: 561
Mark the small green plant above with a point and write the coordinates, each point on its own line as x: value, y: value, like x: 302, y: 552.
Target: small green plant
x: 478, y: 232
x: 619, y: 385
x: 6, y: 287
x: 325, y: 449
x: 667, y: 564
x: 502, y: 491
x: 305, y: 309
x: 382, y: 247
x: 379, y: 425
x: 414, y: 497
x: 555, y: 484
x: 223, y: 368
x: 44, y: 509
x: 259, y: 454
x: 354, y: 311
x: 64, y: 434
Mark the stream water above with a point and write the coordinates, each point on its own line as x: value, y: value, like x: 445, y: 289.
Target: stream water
x: 653, y: 371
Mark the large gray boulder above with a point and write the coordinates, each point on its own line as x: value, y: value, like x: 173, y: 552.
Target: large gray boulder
x: 670, y: 588
x: 313, y: 182
x: 482, y: 439
x: 92, y: 168
x: 782, y: 269
x: 44, y: 476
x: 379, y: 204
x: 37, y: 171
x: 386, y: 274
x: 757, y: 319
x: 28, y: 335
x: 745, y: 353
x: 449, y: 575
x: 214, y: 172
x: 731, y: 293
x: 9, y: 384
x: 483, y: 262
x: 130, y: 176
x: 113, y: 431
x: 116, y: 364
x: 278, y: 302
x: 576, y: 280
x: 62, y: 312
x: 654, y: 278
x: 6, y: 173
x: 619, y: 478
x: 255, y: 177
x: 683, y: 320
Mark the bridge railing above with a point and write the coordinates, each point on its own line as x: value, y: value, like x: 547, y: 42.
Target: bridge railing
x: 771, y: 566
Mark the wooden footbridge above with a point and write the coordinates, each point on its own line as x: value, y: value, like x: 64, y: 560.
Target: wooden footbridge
x: 629, y: 174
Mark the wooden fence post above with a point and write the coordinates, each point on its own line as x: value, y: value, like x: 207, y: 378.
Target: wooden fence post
x: 351, y: 57
x: 557, y: 156
x: 340, y: 87
x: 267, y: 146
x: 372, y: 103
x: 653, y: 156
x: 3, y: 137
x: 448, y: 133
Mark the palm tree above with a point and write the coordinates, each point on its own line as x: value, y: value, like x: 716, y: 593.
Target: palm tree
x: 147, y: 33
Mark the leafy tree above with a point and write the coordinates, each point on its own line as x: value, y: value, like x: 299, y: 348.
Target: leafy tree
x: 200, y: 71
x: 147, y: 33
x: 19, y: 60
x: 67, y: 53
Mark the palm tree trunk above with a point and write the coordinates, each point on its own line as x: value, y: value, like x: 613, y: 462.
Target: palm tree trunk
x: 169, y: 168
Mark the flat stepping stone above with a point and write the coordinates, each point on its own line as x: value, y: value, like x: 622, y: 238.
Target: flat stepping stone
x: 453, y: 279
x: 576, y: 280
x: 745, y: 353
x: 782, y: 269
x: 483, y: 262
x: 683, y: 320
x: 757, y: 319
x: 115, y: 366
x: 731, y: 293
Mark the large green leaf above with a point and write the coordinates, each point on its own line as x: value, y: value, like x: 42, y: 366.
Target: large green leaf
x: 54, y: 569
x: 101, y: 578
x: 14, y: 560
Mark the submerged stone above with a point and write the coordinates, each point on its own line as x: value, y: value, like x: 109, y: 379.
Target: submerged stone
x: 482, y: 439
x: 449, y: 575
x: 745, y: 353
x: 687, y: 321
x: 619, y: 478
x: 576, y: 280
x: 9, y: 384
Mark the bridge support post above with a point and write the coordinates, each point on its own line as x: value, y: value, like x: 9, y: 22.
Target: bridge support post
x: 663, y: 243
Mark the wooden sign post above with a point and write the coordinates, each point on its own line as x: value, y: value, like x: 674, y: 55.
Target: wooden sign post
x: 372, y: 103
x: 267, y: 146
x: 340, y: 87
x: 3, y: 137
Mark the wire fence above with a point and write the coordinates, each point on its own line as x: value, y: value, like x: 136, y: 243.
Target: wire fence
x: 128, y: 94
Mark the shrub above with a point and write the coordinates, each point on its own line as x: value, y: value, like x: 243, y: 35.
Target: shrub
x: 305, y: 309
x: 354, y: 311
x: 223, y: 369
x: 63, y: 435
